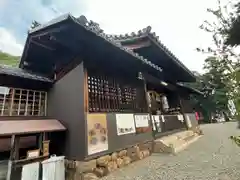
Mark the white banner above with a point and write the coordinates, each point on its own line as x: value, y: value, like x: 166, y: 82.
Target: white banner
x: 125, y: 124
x: 156, y: 122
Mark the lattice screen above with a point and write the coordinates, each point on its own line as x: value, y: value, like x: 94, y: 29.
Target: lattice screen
x: 22, y: 102
x: 110, y: 95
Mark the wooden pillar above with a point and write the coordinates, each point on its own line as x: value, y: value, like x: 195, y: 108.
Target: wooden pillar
x: 14, y: 155
x: 148, y: 106
x: 39, y: 141
x: 182, y: 109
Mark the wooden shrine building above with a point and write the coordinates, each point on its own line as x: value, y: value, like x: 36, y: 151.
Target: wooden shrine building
x: 103, y: 89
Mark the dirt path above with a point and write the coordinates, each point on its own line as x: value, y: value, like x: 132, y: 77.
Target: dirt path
x: 212, y: 157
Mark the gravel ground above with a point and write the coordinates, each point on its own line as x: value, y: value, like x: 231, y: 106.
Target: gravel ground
x: 212, y: 157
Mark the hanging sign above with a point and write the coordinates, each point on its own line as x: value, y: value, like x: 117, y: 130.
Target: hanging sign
x: 125, y: 124
x: 97, y: 133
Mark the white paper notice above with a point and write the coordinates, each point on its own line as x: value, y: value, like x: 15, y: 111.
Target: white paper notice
x: 163, y: 119
x: 125, y: 124
x: 156, y: 123
x: 141, y: 121
x: 189, y: 123
x: 157, y: 119
x: 180, y: 117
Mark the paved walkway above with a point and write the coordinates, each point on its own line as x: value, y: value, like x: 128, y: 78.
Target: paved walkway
x: 212, y: 157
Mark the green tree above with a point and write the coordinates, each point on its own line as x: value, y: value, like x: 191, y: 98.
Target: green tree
x: 222, y: 66
x: 7, y: 59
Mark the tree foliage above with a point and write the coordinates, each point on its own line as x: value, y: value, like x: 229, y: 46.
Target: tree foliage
x: 7, y: 59
x: 223, y: 62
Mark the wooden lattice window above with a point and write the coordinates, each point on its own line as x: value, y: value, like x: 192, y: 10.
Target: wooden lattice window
x: 111, y: 95
x: 22, y: 102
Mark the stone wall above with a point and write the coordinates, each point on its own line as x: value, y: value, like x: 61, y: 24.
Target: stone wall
x: 102, y: 166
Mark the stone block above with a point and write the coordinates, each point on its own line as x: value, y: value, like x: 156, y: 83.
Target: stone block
x: 100, y: 171
x: 85, y: 166
x: 127, y: 160
x: 141, y: 146
x: 103, y: 161
x: 131, y: 152
x: 112, y: 166
x: 114, y: 156
x: 145, y: 153
x: 122, y: 153
x: 89, y: 176
x: 120, y: 163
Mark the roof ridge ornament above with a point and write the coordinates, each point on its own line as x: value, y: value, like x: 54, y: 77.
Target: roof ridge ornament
x: 147, y: 30
x: 90, y: 24
x: 34, y: 24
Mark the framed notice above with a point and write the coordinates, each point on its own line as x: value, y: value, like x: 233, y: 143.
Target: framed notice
x: 125, y: 124
x: 97, y: 133
x: 141, y: 121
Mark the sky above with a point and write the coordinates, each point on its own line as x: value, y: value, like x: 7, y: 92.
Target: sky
x: 175, y: 22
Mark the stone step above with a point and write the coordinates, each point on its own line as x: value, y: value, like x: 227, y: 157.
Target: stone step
x: 170, y: 139
x: 180, y: 146
x: 175, y: 143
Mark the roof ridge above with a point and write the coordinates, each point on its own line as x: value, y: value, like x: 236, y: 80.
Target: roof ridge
x: 140, y: 33
x: 147, y: 32
x: 95, y: 28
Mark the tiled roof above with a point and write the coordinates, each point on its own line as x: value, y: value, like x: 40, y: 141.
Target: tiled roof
x: 94, y: 28
x: 18, y: 72
x: 146, y: 32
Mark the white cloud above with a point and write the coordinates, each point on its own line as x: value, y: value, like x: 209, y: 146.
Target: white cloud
x: 175, y: 22
x: 9, y: 44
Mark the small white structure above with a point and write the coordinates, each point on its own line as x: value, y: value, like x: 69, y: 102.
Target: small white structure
x: 30, y: 171
x: 53, y: 168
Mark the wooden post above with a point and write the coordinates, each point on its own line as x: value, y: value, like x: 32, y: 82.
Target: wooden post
x: 39, y: 141
x: 14, y: 153
x: 181, y: 110
x: 148, y: 104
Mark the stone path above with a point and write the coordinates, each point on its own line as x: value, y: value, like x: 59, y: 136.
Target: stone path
x: 212, y: 157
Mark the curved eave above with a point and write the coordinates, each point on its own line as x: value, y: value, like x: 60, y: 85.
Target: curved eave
x: 83, y: 29
x: 146, y: 33
x: 190, y: 89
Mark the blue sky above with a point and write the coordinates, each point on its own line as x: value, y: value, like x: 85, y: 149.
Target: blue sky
x: 17, y: 15
x: 175, y: 22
